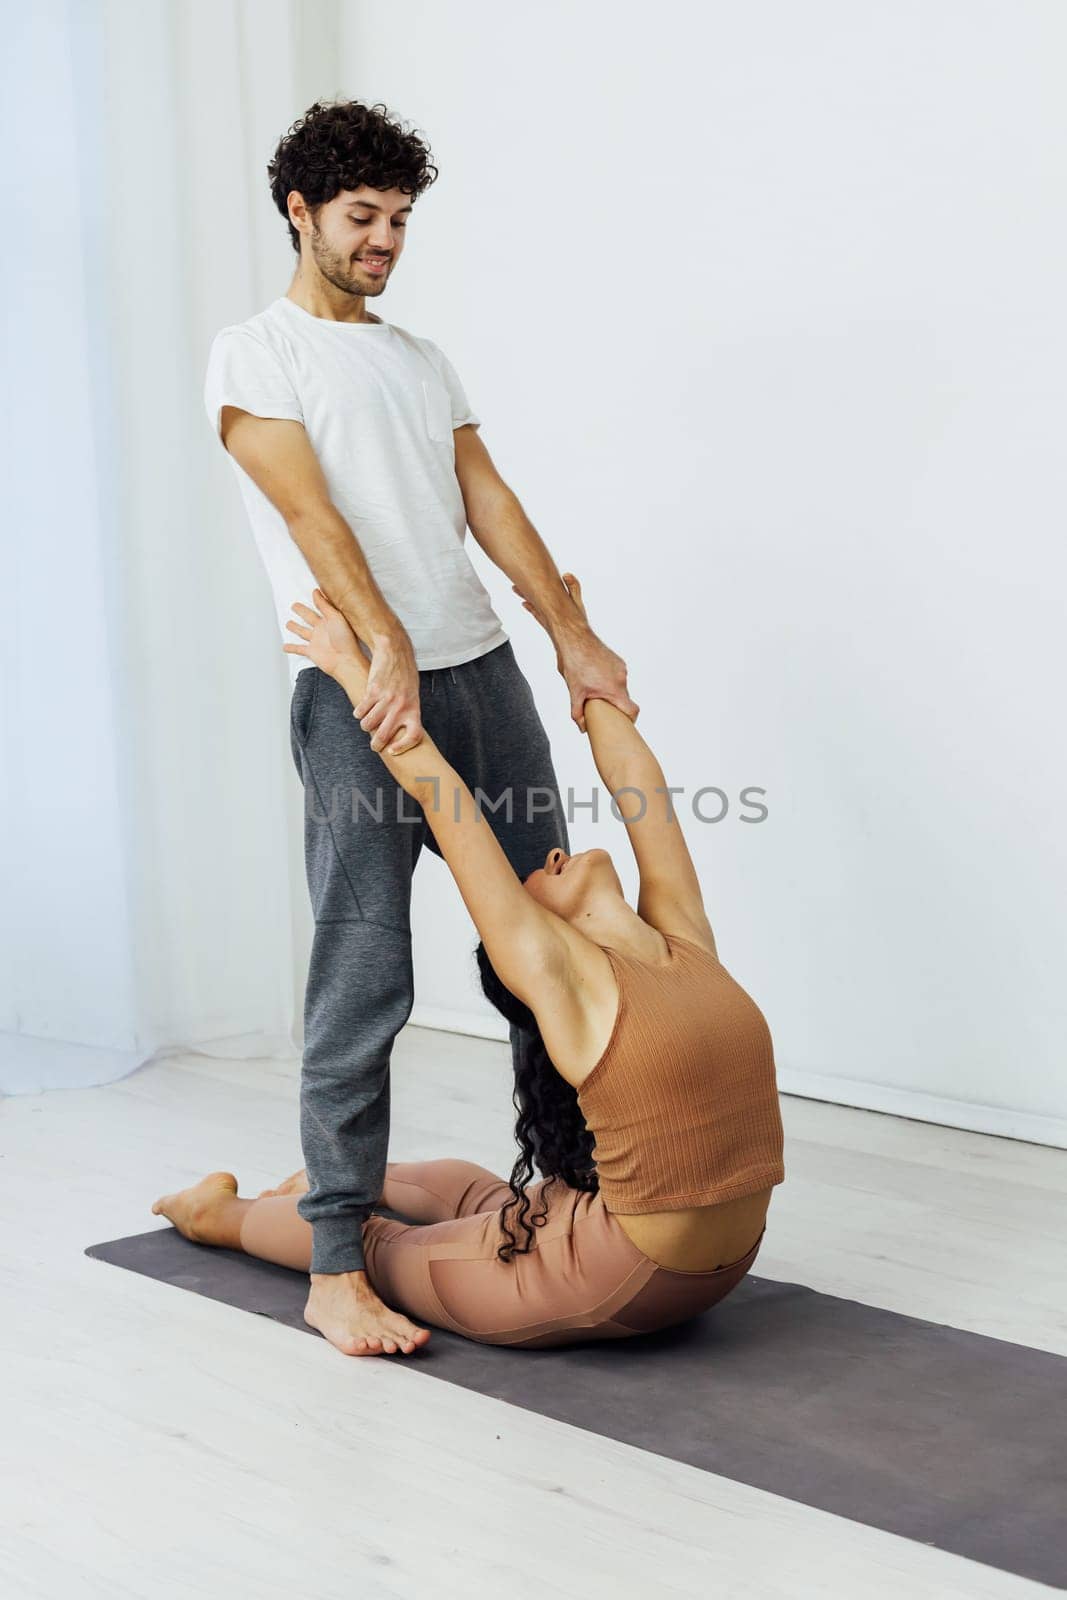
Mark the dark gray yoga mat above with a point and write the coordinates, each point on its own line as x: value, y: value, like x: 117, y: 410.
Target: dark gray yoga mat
x: 923, y: 1430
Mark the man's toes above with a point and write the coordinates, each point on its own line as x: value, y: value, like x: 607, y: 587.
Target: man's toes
x: 364, y: 1345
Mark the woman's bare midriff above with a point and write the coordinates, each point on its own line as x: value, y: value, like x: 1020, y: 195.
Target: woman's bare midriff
x: 702, y: 1238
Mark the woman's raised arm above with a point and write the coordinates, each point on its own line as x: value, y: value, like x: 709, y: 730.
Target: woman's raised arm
x: 524, y: 940
x: 670, y: 897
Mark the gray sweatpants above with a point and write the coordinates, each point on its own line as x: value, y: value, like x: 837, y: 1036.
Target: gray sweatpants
x: 362, y: 838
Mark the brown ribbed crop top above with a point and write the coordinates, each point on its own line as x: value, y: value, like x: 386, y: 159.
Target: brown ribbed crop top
x: 683, y: 1102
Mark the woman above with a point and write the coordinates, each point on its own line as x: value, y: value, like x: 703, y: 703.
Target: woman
x: 646, y: 1096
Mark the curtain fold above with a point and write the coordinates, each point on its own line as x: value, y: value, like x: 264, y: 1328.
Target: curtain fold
x: 153, y: 886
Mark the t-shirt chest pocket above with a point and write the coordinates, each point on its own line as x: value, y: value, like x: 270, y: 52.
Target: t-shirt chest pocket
x: 437, y: 408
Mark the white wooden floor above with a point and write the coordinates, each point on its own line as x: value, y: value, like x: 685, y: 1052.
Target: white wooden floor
x: 157, y: 1444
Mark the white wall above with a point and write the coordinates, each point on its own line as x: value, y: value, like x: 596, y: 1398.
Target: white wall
x: 763, y: 309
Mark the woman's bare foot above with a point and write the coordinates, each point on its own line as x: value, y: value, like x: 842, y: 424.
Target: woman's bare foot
x: 347, y: 1311
x: 193, y: 1211
x: 296, y: 1184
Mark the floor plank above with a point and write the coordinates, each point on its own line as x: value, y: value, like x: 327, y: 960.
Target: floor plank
x: 163, y: 1445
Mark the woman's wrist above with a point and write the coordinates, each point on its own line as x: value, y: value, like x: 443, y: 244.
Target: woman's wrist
x: 352, y: 674
x: 417, y: 771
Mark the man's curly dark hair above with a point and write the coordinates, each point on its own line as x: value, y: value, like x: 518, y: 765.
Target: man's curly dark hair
x: 344, y: 144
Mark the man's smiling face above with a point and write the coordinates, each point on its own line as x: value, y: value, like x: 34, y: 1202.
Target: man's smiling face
x: 357, y: 237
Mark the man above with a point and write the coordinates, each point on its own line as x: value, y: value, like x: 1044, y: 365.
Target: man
x: 361, y: 466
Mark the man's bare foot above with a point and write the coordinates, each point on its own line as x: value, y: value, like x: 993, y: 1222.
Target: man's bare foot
x: 346, y: 1310
x: 296, y: 1184
x: 191, y: 1210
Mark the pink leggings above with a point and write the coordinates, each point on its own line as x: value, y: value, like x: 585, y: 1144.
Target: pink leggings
x: 582, y: 1279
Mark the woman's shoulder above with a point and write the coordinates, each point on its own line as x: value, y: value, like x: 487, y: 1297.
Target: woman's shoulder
x: 578, y: 1007
x: 583, y: 1002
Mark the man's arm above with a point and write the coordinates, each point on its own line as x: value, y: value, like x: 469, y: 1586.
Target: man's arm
x: 512, y: 543
x: 278, y: 456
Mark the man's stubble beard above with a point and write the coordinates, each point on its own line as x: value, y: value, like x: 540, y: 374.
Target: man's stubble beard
x: 332, y: 266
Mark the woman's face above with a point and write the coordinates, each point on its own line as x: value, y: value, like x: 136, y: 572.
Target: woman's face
x: 567, y: 884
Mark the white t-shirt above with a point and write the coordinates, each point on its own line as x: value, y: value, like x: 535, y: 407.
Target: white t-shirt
x: 379, y: 405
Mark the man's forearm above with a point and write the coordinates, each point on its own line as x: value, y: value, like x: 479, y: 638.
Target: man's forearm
x: 332, y: 551
x: 512, y: 543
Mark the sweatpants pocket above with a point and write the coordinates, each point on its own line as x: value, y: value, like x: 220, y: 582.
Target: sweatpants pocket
x: 302, y: 704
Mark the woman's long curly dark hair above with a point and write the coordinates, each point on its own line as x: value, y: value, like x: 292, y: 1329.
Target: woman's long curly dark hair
x: 344, y: 144
x: 549, y: 1129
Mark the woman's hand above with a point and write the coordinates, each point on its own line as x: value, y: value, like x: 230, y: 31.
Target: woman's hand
x: 592, y: 671
x: 380, y: 689
x: 331, y: 644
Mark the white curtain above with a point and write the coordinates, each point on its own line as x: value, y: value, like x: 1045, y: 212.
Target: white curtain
x: 153, y: 886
